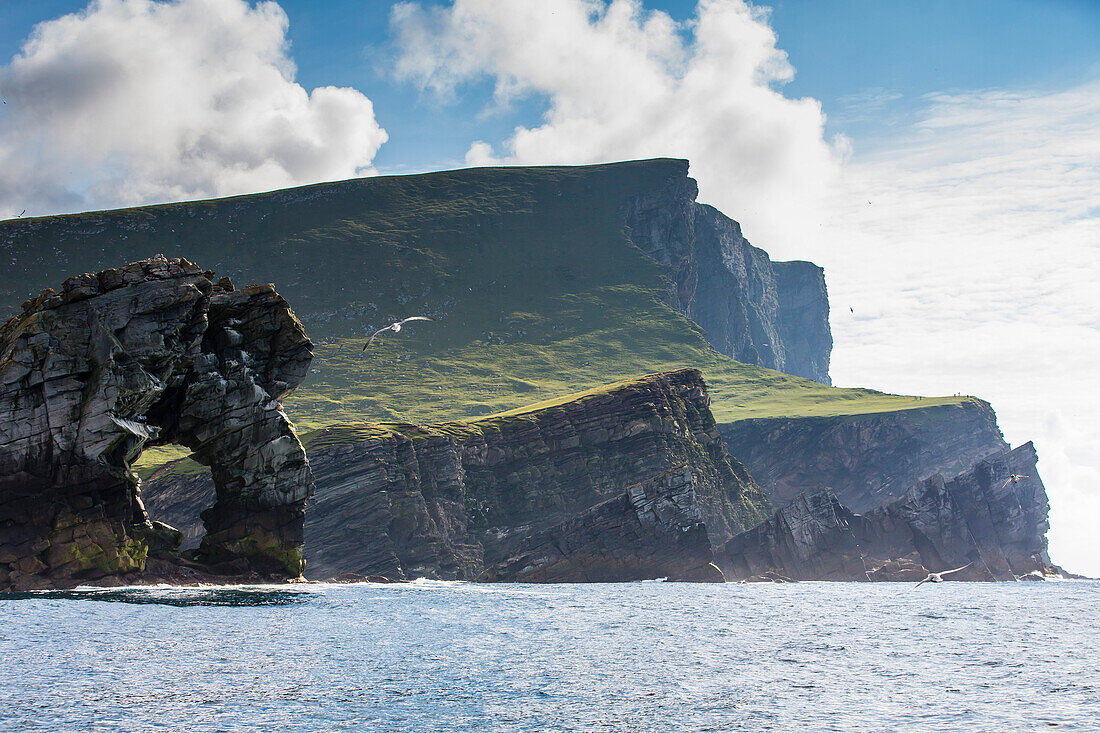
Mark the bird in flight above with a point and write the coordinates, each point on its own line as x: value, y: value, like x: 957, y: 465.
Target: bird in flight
x: 395, y: 327
x: 937, y: 577
x: 1014, y: 478
x: 24, y: 211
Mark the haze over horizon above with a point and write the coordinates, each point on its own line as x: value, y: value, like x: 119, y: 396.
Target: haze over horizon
x: 951, y: 188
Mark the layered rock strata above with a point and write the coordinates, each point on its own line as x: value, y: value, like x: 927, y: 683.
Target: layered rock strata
x: 151, y: 353
x: 982, y: 518
x: 452, y: 500
x: 654, y: 530
x: 773, y: 314
x: 866, y: 460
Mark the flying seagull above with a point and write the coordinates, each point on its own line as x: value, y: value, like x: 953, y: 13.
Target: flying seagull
x: 937, y: 577
x: 1014, y: 478
x: 395, y: 327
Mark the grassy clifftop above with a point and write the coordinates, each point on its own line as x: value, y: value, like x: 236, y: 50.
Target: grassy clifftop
x: 537, y: 291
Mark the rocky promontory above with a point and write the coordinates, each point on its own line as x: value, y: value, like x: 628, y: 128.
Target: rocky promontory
x: 992, y: 519
x: 155, y: 352
x: 626, y: 482
x: 773, y: 314
x: 866, y: 460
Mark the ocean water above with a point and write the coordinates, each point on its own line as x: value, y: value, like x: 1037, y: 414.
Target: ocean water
x: 653, y: 656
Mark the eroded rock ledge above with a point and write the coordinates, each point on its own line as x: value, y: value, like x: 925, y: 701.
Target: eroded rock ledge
x: 981, y: 517
x: 633, y: 478
x: 151, y: 353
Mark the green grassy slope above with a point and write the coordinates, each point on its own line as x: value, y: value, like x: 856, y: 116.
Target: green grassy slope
x: 536, y: 289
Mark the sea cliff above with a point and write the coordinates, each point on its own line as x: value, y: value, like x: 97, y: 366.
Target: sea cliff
x: 865, y: 460
x: 991, y: 521
x: 634, y: 473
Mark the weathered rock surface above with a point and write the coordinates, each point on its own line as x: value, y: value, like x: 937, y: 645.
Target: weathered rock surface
x: 150, y: 353
x: 451, y: 500
x: 980, y: 517
x: 654, y: 530
x: 866, y: 460
x: 773, y: 314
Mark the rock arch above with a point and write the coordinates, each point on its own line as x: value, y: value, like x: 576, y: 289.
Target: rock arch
x: 151, y: 353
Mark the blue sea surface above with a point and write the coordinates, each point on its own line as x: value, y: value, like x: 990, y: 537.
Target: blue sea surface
x: 433, y: 656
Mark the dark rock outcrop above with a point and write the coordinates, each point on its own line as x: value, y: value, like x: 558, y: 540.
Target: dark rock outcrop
x: 150, y: 353
x: 451, y: 500
x: 654, y: 530
x: 773, y: 314
x: 866, y: 460
x: 981, y: 517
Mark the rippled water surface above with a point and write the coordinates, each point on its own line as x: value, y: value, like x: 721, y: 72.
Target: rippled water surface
x: 630, y: 657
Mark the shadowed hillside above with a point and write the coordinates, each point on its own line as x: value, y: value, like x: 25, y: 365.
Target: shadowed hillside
x: 531, y: 272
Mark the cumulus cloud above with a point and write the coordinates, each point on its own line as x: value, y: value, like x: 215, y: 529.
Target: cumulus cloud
x: 969, y: 246
x: 135, y: 101
x: 621, y: 82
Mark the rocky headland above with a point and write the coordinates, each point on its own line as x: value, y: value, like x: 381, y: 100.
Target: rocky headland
x: 543, y: 280
x: 991, y: 519
x: 155, y: 352
x: 773, y: 314
x: 627, y: 482
x: 865, y: 460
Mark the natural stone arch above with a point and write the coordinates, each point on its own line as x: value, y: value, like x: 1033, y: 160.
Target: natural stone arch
x: 152, y: 353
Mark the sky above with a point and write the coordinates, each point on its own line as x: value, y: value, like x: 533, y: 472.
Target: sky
x: 940, y: 159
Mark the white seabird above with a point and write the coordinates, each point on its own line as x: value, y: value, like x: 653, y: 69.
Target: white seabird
x: 1014, y: 478
x: 395, y: 327
x: 937, y: 577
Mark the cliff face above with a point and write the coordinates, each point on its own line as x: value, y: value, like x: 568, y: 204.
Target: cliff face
x: 154, y: 352
x: 654, y: 530
x: 983, y: 519
x: 772, y: 314
x: 866, y: 460
x: 455, y: 499
x: 804, y: 319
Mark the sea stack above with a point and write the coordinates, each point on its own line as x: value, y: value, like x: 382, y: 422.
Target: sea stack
x: 158, y: 351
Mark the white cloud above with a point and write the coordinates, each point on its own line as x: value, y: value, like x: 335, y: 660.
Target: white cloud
x: 973, y: 269
x: 134, y: 101
x: 621, y: 83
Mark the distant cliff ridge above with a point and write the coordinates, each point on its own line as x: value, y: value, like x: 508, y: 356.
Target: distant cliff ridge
x: 507, y: 255
x: 773, y: 314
